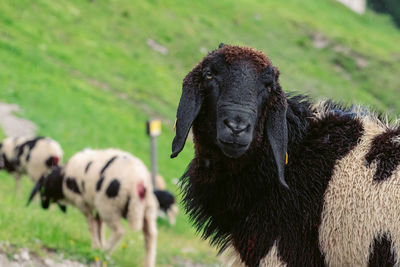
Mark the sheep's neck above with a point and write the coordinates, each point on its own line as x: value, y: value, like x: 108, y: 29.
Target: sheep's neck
x: 241, y: 201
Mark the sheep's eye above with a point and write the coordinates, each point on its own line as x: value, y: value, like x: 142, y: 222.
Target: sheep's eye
x: 209, y: 75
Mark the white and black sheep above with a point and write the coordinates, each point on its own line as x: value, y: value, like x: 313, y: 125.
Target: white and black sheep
x: 112, y: 184
x: 279, y: 180
x: 166, y: 201
x: 32, y: 156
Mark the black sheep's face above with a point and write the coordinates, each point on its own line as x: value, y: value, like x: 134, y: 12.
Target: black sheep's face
x: 233, y: 99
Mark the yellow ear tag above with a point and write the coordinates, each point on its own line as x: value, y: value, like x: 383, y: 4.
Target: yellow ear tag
x: 286, y: 159
x: 175, y: 124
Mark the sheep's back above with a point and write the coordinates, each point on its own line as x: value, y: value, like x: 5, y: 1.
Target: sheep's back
x: 107, y: 177
x: 82, y: 173
x: 31, y: 159
x: 9, y: 147
x: 361, y: 204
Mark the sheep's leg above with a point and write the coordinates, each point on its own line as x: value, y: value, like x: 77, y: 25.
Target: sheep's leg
x: 100, y: 230
x: 91, y: 220
x: 117, y: 231
x: 17, y: 177
x: 150, y: 237
x: 172, y: 213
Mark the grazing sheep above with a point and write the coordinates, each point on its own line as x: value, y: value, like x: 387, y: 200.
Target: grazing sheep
x: 166, y: 201
x: 111, y: 184
x: 30, y: 156
x: 279, y: 181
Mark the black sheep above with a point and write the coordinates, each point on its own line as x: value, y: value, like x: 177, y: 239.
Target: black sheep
x: 282, y: 181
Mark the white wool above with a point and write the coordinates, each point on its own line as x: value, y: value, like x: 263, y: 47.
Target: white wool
x: 36, y: 166
x: 130, y: 172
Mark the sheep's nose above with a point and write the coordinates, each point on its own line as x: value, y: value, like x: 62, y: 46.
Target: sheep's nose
x: 236, y: 126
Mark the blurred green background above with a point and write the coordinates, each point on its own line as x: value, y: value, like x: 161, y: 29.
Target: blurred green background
x: 90, y: 73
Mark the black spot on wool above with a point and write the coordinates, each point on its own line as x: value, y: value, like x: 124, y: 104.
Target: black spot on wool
x: 107, y: 165
x: 30, y: 144
x: 100, y: 181
x: 126, y: 208
x: 241, y: 202
x: 381, y: 252
x: 165, y: 199
x: 385, y: 151
x: 83, y: 186
x: 88, y: 166
x: 72, y: 185
x: 113, y: 188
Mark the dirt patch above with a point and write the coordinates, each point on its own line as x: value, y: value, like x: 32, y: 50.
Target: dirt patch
x: 179, y: 262
x: 11, y: 256
x: 156, y: 46
x: 13, y: 125
x: 320, y: 41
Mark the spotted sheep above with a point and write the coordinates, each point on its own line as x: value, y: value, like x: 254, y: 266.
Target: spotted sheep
x: 33, y: 156
x: 279, y: 181
x: 167, y: 204
x: 105, y: 185
x: 166, y: 200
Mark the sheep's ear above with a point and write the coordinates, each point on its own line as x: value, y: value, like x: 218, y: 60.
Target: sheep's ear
x: 276, y: 127
x: 35, y: 190
x: 63, y: 208
x: 188, y: 109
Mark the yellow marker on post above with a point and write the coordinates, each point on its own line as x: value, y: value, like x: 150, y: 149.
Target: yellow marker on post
x: 154, y: 127
x: 153, y: 130
x: 286, y: 158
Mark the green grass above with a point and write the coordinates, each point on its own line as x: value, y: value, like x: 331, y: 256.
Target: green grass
x: 82, y: 71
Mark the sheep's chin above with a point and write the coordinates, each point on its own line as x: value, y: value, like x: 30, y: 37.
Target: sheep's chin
x: 233, y: 151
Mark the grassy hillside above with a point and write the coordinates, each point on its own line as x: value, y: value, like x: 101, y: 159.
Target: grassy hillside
x: 83, y: 72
